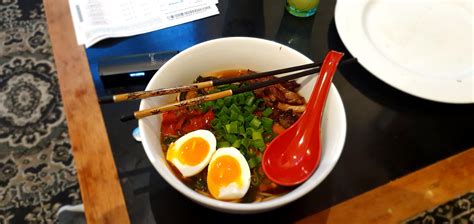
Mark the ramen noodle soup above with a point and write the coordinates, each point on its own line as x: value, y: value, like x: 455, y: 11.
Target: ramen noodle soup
x: 216, y: 148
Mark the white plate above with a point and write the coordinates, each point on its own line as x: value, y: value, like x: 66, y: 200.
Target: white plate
x: 421, y: 47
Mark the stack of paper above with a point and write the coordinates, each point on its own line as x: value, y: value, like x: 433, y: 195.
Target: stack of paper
x: 95, y: 20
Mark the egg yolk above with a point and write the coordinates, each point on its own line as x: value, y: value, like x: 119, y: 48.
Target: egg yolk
x: 223, y: 171
x: 192, y: 152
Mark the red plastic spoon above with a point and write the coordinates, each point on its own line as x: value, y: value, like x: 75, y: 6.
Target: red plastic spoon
x: 293, y: 155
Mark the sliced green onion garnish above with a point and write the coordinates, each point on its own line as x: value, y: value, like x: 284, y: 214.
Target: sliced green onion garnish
x: 267, y: 123
x: 267, y: 112
x: 255, y: 123
x: 252, y: 162
x: 259, y: 144
x: 257, y: 135
x: 236, y: 143
x: 223, y: 144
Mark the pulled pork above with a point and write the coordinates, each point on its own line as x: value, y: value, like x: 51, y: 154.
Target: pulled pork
x: 283, y: 98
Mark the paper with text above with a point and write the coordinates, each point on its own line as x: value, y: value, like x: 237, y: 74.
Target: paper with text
x: 95, y: 20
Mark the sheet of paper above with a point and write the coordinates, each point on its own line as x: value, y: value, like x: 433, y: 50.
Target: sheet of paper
x: 95, y: 20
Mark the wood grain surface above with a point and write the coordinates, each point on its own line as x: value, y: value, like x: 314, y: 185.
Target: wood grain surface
x: 407, y: 196
x: 98, y: 179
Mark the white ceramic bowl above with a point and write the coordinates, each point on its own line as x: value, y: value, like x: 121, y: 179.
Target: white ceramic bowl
x: 239, y: 53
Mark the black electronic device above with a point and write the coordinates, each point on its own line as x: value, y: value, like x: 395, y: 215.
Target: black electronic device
x: 131, y: 69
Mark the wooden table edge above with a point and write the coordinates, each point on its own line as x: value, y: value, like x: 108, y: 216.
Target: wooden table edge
x: 98, y: 179
x: 407, y: 196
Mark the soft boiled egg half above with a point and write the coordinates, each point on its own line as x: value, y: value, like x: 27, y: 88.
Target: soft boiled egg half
x: 228, y: 174
x: 191, y: 153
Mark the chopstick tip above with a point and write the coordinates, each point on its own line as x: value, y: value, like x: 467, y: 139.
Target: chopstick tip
x: 106, y: 99
x: 127, y: 117
x: 350, y: 61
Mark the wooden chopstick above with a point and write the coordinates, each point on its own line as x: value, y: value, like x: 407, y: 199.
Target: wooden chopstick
x: 216, y: 82
x: 222, y: 94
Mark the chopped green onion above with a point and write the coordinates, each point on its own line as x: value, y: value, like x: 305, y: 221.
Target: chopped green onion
x: 209, y: 104
x: 249, y: 118
x: 236, y: 125
x: 233, y: 86
x: 242, y: 130
x: 223, y: 111
x: 252, y: 162
x: 230, y: 138
x: 224, y: 118
x: 257, y: 135
x: 249, y: 131
x: 214, y: 90
x: 215, y: 122
x: 232, y: 127
x: 234, y: 116
x: 220, y: 103
x: 228, y: 101
x: 236, y: 143
x: 245, y: 142
x: 223, y: 144
x: 218, y: 125
x: 249, y: 101
x: 259, y: 144
x: 255, y: 122
x: 267, y: 123
x: 251, y: 108
x: 219, y: 133
x: 267, y: 112
x: 234, y: 108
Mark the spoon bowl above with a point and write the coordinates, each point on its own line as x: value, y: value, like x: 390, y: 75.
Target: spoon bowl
x: 293, y: 156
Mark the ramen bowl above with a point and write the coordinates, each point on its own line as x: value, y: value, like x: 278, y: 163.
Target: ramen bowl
x: 239, y: 53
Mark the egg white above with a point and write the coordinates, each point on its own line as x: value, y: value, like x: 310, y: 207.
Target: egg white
x: 185, y: 169
x: 233, y: 190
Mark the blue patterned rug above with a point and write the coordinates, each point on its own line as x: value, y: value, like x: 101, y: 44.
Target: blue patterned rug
x: 456, y: 211
x: 37, y: 175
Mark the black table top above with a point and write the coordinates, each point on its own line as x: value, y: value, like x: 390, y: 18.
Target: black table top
x: 389, y: 133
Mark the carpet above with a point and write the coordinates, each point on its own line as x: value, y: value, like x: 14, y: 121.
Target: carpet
x: 37, y: 175
x: 456, y: 211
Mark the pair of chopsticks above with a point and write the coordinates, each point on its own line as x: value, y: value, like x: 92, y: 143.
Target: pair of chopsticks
x: 311, y: 68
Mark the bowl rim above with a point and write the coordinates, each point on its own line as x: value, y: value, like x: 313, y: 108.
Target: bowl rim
x: 294, y: 194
